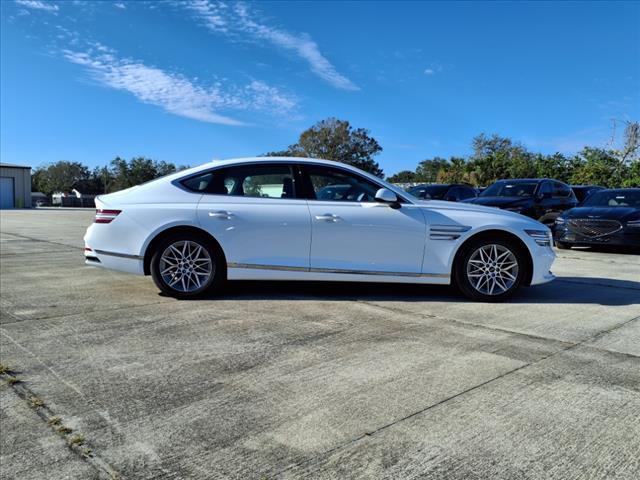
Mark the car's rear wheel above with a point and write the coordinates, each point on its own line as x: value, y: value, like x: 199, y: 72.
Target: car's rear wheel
x: 490, y: 270
x: 186, y: 266
x: 563, y: 246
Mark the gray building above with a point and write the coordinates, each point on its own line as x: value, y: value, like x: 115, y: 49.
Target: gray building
x: 15, y: 186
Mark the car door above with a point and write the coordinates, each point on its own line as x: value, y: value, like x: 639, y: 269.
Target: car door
x: 352, y: 233
x: 255, y: 214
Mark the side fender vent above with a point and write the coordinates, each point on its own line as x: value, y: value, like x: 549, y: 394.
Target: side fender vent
x: 447, y: 232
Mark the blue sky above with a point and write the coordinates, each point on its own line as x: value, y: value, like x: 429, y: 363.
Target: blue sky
x: 187, y: 82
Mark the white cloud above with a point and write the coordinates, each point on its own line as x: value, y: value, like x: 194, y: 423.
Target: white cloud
x: 433, y: 69
x: 175, y: 93
x: 39, y: 5
x: 122, y: 6
x: 238, y: 22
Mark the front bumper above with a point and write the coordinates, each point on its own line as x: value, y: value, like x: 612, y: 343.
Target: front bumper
x: 625, y: 237
x: 543, y: 258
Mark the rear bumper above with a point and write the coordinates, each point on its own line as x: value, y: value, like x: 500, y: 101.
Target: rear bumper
x: 114, y: 261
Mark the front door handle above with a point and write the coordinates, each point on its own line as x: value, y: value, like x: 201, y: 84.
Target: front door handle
x: 221, y: 215
x: 328, y: 217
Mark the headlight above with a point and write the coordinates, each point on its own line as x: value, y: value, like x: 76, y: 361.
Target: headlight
x: 560, y: 221
x: 633, y: 224
x: 542, y: 237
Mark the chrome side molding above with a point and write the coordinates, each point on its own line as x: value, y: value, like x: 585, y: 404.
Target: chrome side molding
x: 255, y: 266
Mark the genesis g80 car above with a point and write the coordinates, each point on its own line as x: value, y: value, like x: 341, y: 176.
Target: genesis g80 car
x: 606, y: 217
x: 278, y: 218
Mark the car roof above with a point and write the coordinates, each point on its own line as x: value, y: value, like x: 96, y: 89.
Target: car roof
x: 621, y: 190
x: 523, y: 180
x: 442, y: 185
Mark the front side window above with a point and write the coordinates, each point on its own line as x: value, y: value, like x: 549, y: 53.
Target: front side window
x: 466, y: 192
x: 340, y: 186
x: 431, y: 192
x: 259, y: 181
x: 510, y: 189
x: 561, y: 190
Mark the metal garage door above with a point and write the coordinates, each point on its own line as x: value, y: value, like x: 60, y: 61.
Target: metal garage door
x: 7, y: 197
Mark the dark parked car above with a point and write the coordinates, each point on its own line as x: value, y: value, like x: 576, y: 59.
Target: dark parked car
x: 542, y: 199
x: 583, y: 191
x: 449, y: 192
x: 607, y: 217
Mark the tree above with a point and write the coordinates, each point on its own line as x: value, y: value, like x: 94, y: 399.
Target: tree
x: 136, y: 171
x: 428, y: 170
x: 597, y: 166
x: 335, y: 139
x: 62, y: 176
x: 405, y: 176
x: 456, y: 171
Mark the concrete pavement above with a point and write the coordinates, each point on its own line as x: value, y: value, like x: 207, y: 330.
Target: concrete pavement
x: 290, y: 380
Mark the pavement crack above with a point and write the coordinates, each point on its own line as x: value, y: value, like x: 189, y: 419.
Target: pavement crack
x: 75, y: 441
x: 371, y: 433
x: 33, y: 239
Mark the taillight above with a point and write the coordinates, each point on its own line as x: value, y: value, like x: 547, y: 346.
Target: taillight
x: 106, y: 216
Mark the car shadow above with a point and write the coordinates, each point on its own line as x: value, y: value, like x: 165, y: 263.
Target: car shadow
x: 623, y: 250
x: 564, y: 290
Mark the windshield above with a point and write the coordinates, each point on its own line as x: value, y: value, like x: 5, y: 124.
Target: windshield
x: 614, y: 198
x: 510, y: 189
x: 435, y: 192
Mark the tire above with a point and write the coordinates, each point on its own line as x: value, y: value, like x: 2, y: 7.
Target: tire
x: 187, y: 266
x: 482, y: 279
x: 562, y: 246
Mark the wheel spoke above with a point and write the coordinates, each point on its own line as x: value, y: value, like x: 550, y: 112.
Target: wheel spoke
x: 186, y: 266
x: 492, y: 269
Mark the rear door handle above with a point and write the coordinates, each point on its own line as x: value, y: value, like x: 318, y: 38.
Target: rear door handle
x: 328, y: 217
x: 221, y: 215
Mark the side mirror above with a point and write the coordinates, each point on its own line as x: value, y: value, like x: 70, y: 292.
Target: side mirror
x: 384, y: 195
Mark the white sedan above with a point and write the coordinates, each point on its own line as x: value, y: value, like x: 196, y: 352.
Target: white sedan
x: 275, y: 218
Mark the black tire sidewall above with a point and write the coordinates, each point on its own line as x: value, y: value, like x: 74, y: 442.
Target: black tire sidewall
x: 460, y: 269
x: 217, y: 260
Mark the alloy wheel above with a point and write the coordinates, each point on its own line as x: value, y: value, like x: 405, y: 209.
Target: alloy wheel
x: 186, y: 266
x: 492, y: 269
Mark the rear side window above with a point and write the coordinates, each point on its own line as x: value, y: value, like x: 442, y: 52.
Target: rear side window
x: 258, y: 181
x: 198, y: 183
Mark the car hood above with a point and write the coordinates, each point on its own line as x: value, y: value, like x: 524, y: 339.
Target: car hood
x: 606, y: 213
x: 468, y: 207
x: 500, y: 202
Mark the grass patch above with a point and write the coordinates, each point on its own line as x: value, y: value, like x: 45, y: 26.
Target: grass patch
x: 36, y: 402
x: 63, y: 430
x: 76, y: 440
x: 53, y: 421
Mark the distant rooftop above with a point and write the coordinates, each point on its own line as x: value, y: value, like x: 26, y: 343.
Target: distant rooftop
x: 13, y: 165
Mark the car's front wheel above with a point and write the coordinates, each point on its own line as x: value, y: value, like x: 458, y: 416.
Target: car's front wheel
x: 490, y: 270
x: 186, y: 266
